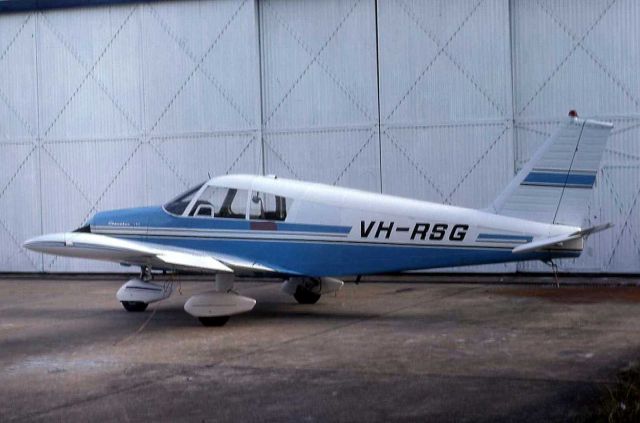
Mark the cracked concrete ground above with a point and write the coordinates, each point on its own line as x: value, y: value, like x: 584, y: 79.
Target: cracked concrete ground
x: 376, y: 351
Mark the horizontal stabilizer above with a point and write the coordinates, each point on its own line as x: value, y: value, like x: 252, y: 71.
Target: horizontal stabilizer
x: 559, y: 240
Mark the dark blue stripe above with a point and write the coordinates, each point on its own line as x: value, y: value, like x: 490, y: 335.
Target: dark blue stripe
x: 301, y: 227
x: 505, y: 237
x: 560, y: 179
x: 27, y: 5
x: 144, y: 288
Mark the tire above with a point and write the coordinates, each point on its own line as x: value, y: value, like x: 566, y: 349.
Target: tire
x: 214, y: 321
x: 304, y: 296
x: 134, y: 306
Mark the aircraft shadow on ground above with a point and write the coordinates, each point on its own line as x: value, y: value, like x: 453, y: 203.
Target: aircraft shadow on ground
x: 269, y: 315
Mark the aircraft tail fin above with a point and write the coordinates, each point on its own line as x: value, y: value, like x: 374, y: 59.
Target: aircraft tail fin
x: 555, y: 185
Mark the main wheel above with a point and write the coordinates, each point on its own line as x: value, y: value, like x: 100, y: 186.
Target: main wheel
x: 214, y: 320
x: 134, y: 306
x: 304, y: 296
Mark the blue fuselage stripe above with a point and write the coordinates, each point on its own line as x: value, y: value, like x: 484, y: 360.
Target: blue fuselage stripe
x: 299, y: 227
x: 505, y: 237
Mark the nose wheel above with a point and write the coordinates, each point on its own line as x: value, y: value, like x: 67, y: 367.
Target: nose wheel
x: 137, y: 293
x: 134, y: 306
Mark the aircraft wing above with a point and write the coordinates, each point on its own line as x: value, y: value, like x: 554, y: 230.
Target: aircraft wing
x: 139, y: 253
x: 559, y: 240
x: 188, y: 261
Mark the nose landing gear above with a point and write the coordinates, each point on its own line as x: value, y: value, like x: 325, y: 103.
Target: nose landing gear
x: 134, y: 306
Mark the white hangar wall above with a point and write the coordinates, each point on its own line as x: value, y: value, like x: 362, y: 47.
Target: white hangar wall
x: 108, y: 107
x: 585, y: 55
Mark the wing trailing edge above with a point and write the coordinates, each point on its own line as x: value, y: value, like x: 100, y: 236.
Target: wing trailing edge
x: 193, y: 261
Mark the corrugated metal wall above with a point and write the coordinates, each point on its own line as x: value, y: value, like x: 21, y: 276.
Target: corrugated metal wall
x: 119, y: 106
x: 445, y: 101
x: 320, y: 102
x: 585, y: 55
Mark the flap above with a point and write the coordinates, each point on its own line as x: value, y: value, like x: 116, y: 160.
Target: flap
x: 185, y: 260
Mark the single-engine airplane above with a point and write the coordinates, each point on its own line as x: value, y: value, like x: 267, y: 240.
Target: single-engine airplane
x: 308, y: 234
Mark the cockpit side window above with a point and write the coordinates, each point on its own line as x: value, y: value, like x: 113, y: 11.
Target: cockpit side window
x: 220, y: 202
x: 208, y: 204
x: 265, y: 206
x: 180, y: 203
x: 234, y: 204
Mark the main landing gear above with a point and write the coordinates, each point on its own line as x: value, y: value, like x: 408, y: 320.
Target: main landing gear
x: 214, y: 321
x: 305, y: 296
x: 214, y: 308
x: 309, y: 290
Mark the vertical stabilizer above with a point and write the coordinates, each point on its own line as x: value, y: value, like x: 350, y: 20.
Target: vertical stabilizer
x: 555, y: 185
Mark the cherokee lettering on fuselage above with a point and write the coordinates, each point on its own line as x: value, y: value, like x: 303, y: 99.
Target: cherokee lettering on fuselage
x: 420, y: 231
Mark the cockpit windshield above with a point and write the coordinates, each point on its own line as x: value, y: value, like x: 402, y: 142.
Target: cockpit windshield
x: 180, y: 203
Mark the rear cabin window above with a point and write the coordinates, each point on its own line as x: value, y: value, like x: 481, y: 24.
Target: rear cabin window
x: 264, y: 206
x: 221, y: 202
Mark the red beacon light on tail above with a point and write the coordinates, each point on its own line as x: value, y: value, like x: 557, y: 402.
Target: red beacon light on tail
x: 573, y: 114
